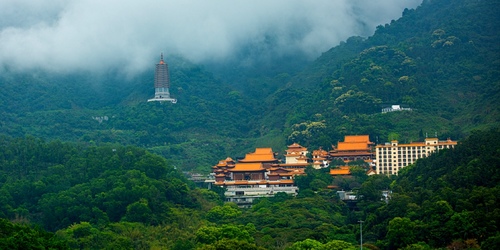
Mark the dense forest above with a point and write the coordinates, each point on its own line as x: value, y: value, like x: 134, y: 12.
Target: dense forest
x: 125, y: 197
x: 98, y: 167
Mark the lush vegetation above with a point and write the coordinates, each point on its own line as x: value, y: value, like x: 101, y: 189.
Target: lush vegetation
x: 97, y: 167
x: 440, y: 59
x: 124, y: 197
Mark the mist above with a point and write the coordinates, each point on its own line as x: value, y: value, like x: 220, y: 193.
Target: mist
x: 93, y: 35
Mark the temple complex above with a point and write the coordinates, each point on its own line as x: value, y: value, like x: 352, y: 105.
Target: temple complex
x: 260, y: 174
x: 162, y: 83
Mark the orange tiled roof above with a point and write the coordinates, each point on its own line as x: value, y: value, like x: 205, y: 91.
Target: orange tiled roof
x: 263, y: 151
x: 247, y: 167
x: 340, y: 171
x: 352, y: 146
x: 281, y: 182
x: 260, y: 157
x: 356, y: 138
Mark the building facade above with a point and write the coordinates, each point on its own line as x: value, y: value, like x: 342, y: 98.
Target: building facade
x: 392, y: 157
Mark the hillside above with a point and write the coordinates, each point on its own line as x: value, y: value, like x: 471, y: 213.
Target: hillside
x: 110, y: 108
x: 440, y: 59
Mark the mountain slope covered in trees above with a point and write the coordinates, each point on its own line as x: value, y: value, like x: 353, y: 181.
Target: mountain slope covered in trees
x: 440, y: 59
x: 109, y: 108
x: 80, y: 154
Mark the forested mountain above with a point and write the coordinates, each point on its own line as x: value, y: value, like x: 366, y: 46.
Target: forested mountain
x: 110, y: 108
x: 441, y: 60
x: 87, y: 163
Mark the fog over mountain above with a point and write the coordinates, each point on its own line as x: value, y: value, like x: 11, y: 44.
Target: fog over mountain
x: 67, y: 36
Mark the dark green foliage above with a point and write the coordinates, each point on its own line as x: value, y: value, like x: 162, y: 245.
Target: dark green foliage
x: 441, y: 60
x: 19, y: 236
x: 315, y: 179
x: 447, y: 199
x: 63, y: 183
x: 98, y: 193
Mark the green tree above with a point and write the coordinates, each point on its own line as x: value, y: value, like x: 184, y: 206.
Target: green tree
x: 139, y: 212
x: 307, y: 244
x: 338, y: 245
x: 223, y: 213
x: 401, y: 233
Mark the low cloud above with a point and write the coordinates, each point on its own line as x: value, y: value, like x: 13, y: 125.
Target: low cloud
x: 94, y: 35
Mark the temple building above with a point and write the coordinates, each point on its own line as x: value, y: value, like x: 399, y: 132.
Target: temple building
x: 162, y: 83
x: 295, y: 152
x: 354, y: 147
x: 392, y: 157
x: 260, y: 174
x: 320, y: 159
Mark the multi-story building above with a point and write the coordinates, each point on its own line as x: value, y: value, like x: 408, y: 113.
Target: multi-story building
x: 295, y: 153
x: 392, y: 157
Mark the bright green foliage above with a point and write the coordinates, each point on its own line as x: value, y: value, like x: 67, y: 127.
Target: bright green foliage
x: 223, y: 213
x: 338, y: 245
x: 309, y: 244
x: 210, y: 234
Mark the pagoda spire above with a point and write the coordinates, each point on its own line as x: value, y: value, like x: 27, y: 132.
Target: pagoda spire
x: 161, y: 58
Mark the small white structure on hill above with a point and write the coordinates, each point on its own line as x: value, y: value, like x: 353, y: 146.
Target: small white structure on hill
x: 394, y: 108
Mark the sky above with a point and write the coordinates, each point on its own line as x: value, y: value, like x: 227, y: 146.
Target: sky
x: 96, y: 35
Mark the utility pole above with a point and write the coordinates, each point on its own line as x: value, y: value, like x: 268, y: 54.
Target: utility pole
x: 361, y: 234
